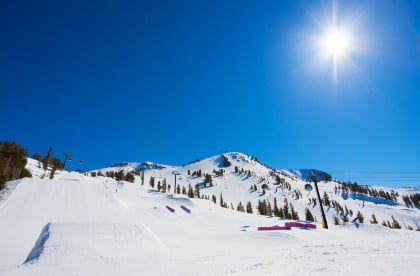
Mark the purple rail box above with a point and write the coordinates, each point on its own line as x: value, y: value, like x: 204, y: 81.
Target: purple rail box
x: 170, y: 209
x: 270, y: 228
x: 185, y: 209
x: 299, y: 224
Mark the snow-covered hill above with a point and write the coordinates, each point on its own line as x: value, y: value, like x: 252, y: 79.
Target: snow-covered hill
x: 76, y: 224
x: 245, y: 173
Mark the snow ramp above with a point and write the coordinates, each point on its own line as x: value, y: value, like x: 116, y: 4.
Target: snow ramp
x: 90, y: 245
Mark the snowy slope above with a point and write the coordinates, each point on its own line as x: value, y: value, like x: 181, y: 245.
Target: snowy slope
x: 81, y: 225
x: 235, y: 188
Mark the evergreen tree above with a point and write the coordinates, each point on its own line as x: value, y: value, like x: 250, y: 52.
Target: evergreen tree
x: 213, y: 198
x: 37, y: 157
x: 374, y: 221
x: 56, y: 165
x: 286, y: 212
x: 240, y: 207
x: 178, y: 191
x: 221, y: 200
x: 336, y: 221
x: 152, y: 182
x: 295, y: 215
x: 207, y: 180
x: 226, y: 162
x: 12, y: 162
x: 360, y: 217
x: 249, y: 207
x: 262, y: 207
x: 190, y: 191
x: 129, y: 177
x: 281, y: 213
x: 269, y: 211
x: 276, y: 210
x: 197, y: 191
x: 395, y: 224
x: 47, y: 159
x: 164, y: 185
x: 308, y: 215
x: 326, y: 200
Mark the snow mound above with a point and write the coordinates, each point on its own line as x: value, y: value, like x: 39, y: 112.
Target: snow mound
x: 39, y: 245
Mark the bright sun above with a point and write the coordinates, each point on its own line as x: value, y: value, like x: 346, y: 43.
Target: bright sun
x: 336, y: 42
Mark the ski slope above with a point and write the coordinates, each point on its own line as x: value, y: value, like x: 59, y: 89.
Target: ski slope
x: 81, y: 225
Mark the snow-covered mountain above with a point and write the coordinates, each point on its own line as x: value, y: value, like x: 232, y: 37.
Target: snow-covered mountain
x: 245, y: 173
x: 307, y: 174
x: 85, y: 224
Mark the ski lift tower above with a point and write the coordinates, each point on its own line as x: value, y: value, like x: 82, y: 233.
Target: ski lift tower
x: 324, y: 219
x: 67, y: 158
x: 175, y: 173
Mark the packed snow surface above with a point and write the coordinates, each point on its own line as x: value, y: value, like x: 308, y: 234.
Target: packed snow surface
x: 81, y: 225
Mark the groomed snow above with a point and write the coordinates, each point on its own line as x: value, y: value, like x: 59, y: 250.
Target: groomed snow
x: 97, y: 226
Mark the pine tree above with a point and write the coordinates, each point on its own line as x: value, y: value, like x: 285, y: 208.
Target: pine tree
x: 47, y: 159
x: 336, y: 221
x: 345, y: 218
x: 56, y: 165
x: 226, y: 162
x: 37, y: 157
x: 164, y: 186
x: 374, y: 221
x: 281, y: 213
x: 221, y: 200
x: 268, y: 211
x: 326, y: 200
x: 276, y: 210
x: 190, y: 191
x: 240, y: 207
x: 152, y: 182
x: 295, y: 215
x: 308, y: 215
x: 129, y: 177
x: 249, y: 207
x: 360, y: 217
x: 213, y: 198
x: 178, y: 189
x: 287, y: 215
x: 197, y: 191
x: 207, y: 180
x: 261, y: 207
x: 12, y: 162
x: 395, y: 224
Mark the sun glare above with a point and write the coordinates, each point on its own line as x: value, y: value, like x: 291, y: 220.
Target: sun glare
x: 336, y: 43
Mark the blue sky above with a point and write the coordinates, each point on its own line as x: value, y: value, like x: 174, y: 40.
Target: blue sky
x: 174, y: 81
